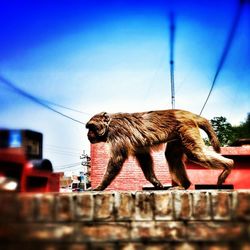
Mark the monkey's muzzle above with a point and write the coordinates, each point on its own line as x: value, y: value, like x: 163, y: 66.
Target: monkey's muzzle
x: 91, y: 137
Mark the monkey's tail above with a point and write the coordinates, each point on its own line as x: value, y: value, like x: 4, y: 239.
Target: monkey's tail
x: 205, y: 125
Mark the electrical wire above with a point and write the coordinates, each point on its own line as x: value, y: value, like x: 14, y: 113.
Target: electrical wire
x: 153, y: 77
x: 64, y: 107
x: 226, y: 49
x: 61, y: 106
x: 67, y: 166
x: 171, y: 61
x: 34, y: 99
x: 61, y: 148
x: 60, y: 152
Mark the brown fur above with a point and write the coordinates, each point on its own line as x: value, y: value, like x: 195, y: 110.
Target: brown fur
x: 136, y: 133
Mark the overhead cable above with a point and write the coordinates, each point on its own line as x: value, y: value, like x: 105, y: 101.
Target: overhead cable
x: 67, y: 166
x: 171, y: 61
x: 64, y: 107
x: 34, y: 99
x: 226, y: 49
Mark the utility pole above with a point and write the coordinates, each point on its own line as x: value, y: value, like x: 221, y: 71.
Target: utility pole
x: 172, y: 37
x: 84, y: 175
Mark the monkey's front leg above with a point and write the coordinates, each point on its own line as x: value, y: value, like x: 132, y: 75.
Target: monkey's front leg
x: 114, y: 166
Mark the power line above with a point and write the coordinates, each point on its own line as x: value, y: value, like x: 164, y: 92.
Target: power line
x: 65, y: 153
x: 34, y: 99
x: 226, y: 49
x: 64, y: 107
x: 63, y: 149
x: 172, y: 37
x: 69, y: 166
x: 60, y: 147
x: 153, y: 76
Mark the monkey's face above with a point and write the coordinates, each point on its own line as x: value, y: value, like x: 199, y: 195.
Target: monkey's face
x: 98, y: 128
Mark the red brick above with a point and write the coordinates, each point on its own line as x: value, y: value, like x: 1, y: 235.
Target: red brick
x: 49, y: 246
x: 143, y: 230
x: 125, y: 205
x: 45, y: 207
x: 64, y: 207
x: 63, y: 246
x: 84, y: 206
x: 51, y: 232
x: 182, y: 205
x: 106, y: 232
x: 143, y: 206
x: 26, y: 207
x: 186, y: 246
x: 218, y: 246
x: 104, y: 206
x: 242, y: 205
x: 201, y: 206
x: 170, y: 230
x: 145, y: 246
x: 8, y: 207
x: 163, y: 205
x: 101, y: 246
x: 36, y: 232
x: 216, y: 231
x: 151, y: 230
x: 221, y: 205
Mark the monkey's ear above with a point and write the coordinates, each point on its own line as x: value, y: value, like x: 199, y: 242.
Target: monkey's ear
x: 104, y: 125
x: 106, y: 117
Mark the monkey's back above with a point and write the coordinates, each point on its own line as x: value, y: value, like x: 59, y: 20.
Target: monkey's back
x: 146, y: 129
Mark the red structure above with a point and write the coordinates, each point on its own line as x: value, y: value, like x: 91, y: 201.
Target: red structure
x: 22, y: 168
x: 132, y: 178
x: 239, y: 176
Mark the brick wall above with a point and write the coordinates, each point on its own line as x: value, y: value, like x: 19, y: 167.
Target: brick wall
x: 184, y: 220
x: 131, y: 176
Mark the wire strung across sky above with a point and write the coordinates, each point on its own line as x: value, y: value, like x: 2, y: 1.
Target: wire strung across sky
x: 61, y: 147
x: 64, y: 107
x: 64, y: 153
x: 31, y: 97
x: 171, y: 41
x: 68, y: 166
x: 226, y: 49
x: 62, y: 150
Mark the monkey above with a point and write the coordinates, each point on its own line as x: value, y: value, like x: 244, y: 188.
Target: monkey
x: 137, y: 134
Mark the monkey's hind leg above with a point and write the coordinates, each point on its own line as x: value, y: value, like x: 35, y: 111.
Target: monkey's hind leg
x: 218, y: 161
x: 197, y: 152
x: 212, y: 160
x: 146, y: 163
x: 174, y: 155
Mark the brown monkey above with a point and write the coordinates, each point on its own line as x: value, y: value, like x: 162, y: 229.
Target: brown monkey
x: 136, y: 133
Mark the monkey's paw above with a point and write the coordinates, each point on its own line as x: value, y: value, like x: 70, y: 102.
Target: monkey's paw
x: 98, y: 188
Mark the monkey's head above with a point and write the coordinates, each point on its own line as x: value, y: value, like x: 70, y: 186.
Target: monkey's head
x: 98, y: 127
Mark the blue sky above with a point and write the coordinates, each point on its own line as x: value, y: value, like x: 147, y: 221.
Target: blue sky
x: 114, y: 56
